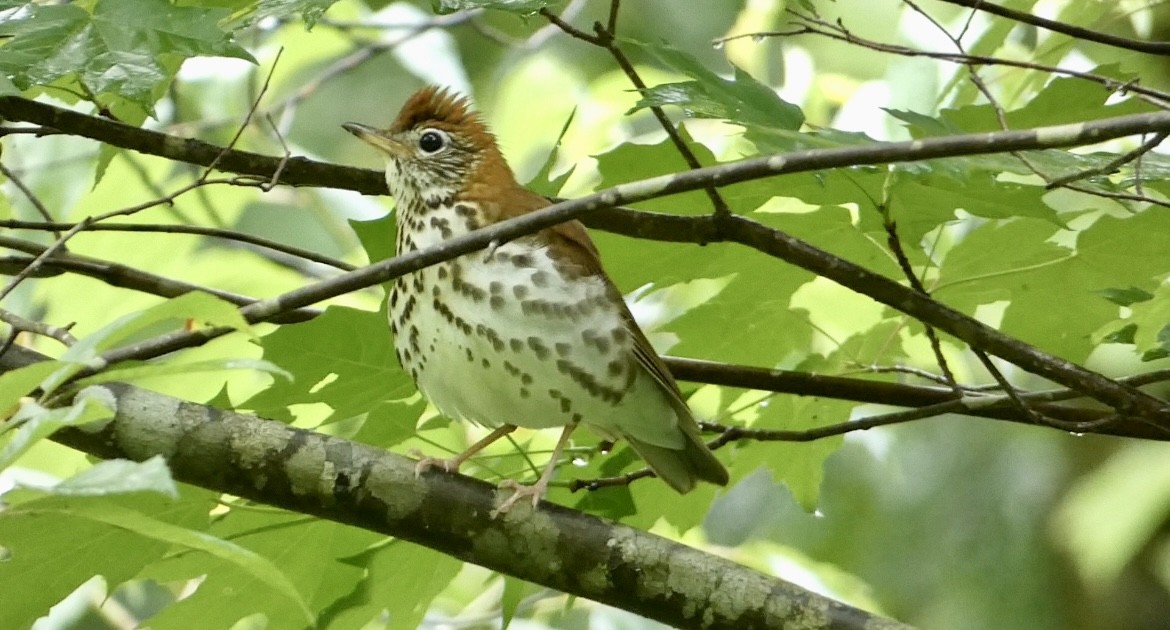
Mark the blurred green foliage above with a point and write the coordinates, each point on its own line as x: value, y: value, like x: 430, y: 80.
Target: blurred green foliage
x: 951, y: 522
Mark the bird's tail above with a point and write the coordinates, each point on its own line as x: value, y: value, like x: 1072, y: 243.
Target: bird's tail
x: 682, y: 468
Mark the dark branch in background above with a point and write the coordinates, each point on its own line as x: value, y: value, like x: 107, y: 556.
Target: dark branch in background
x: 297, y: 172
x: 18, y: 323
x: 220, y: 233
x: 695, y: 370
x: 305, y: 172
x: 369, y: 487
x: 119, y: 275
x: 777, y: 244
x: 1138, y: 45
x: 811, y: 25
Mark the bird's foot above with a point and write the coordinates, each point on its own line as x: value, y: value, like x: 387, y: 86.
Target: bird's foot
x: 536, y: 492
x: 426, y: 463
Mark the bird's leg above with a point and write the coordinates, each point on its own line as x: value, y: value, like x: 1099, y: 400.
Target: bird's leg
x: 452, y: 465
x: 540, y: 488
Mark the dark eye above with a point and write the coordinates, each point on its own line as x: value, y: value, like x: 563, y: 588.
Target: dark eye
x: 431, y: 141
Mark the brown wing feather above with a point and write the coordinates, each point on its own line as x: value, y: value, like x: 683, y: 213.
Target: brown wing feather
x: 679, y: 468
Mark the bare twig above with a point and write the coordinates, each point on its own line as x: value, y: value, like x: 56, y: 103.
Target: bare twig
x: 220, y: 233
x: 30, y: 195
x: 18, y: 323
x: 767, y: 240
x: 1153, y: 48
x: 1112, y: 166
x: 40, y: 258
x: 810, y: 25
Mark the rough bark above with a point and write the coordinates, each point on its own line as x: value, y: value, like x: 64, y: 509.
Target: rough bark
x: 367, y: 487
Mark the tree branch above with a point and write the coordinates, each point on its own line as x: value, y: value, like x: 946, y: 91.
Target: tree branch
x: 355, y: 484
x: 773, y: 242
x: 1089, y: 35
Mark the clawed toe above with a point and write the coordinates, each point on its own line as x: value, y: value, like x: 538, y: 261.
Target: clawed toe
x: 535, y: 491
x: 426, y: 463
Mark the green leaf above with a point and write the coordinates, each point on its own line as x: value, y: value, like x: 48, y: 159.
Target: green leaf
x: 377, y: 236
x: 1124, y: 501
x: 543, y: 182
x: 131, y: 372
x: 408, y: 602
x: 21, y: 382
x: 169, y: 315
x: 119, y: 476
x: 1126, y: 297
x: 309, y: 10
x: 126, y: 48
x: 742, y: 100
x: 258, y: 567
x: 343, y: 358
x: 34, y: 535
x: 32, y: 423
x: 310, y: 555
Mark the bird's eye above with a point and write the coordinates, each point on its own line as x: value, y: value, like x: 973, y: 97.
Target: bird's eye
x: 432, y: 141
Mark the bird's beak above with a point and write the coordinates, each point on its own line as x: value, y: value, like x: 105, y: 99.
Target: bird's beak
x: 376, y: 137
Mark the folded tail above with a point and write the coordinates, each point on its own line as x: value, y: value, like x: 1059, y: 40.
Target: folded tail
x: 682, y: 468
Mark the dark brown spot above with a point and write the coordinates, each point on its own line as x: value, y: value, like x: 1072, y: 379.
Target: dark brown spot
x: 441, y: 224
x: 520, y: 290
x: 563, y: 349
x: 408, y: 307
x: 620, y: 336
x: 443, y: 272
x: 576, y: 418
x: 522, y: 260
x: 464, y: 210
x: 435, y: 292
x: 554, y: 393
x: 526, y: 378
x: 496, y: 287
x: 511, y: 369
x: 470, y: 357
x: 524, y: 393
x: 486, y: 363
x: 540, y: 279
x: 538, y: 347
x: 497, y: 303
x: 565, y: 405
x: 615, y: 367
x: 417, y: 282
x: 516, y: 344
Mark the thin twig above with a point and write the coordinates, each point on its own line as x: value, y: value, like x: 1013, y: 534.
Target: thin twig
x: 1112, y: 166
x: 1077, y: 32
x: 813, y: 26
x: 220, y: 233
x: 18, y: 323
x: 30, y: 195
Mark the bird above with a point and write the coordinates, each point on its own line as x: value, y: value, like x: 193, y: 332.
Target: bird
x: 528, y: 333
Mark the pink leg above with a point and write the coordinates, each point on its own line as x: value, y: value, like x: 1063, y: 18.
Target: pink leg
x: 540, y: 488
x: 453, y: 464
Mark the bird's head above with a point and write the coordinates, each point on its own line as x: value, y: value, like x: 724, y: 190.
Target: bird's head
x: 436, y: 149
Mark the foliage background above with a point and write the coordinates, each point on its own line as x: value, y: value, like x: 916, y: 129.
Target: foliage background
x: 944, y: 523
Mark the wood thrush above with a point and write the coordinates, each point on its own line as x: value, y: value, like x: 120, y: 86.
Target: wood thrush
x: 530, y: 333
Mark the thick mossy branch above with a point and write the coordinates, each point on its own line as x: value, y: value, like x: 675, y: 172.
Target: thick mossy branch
x: 367, y: 487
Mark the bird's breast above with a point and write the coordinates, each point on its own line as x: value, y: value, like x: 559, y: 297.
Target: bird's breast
x: 503, y: 335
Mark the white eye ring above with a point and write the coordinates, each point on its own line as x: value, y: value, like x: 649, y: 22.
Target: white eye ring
x: 432, y: 141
